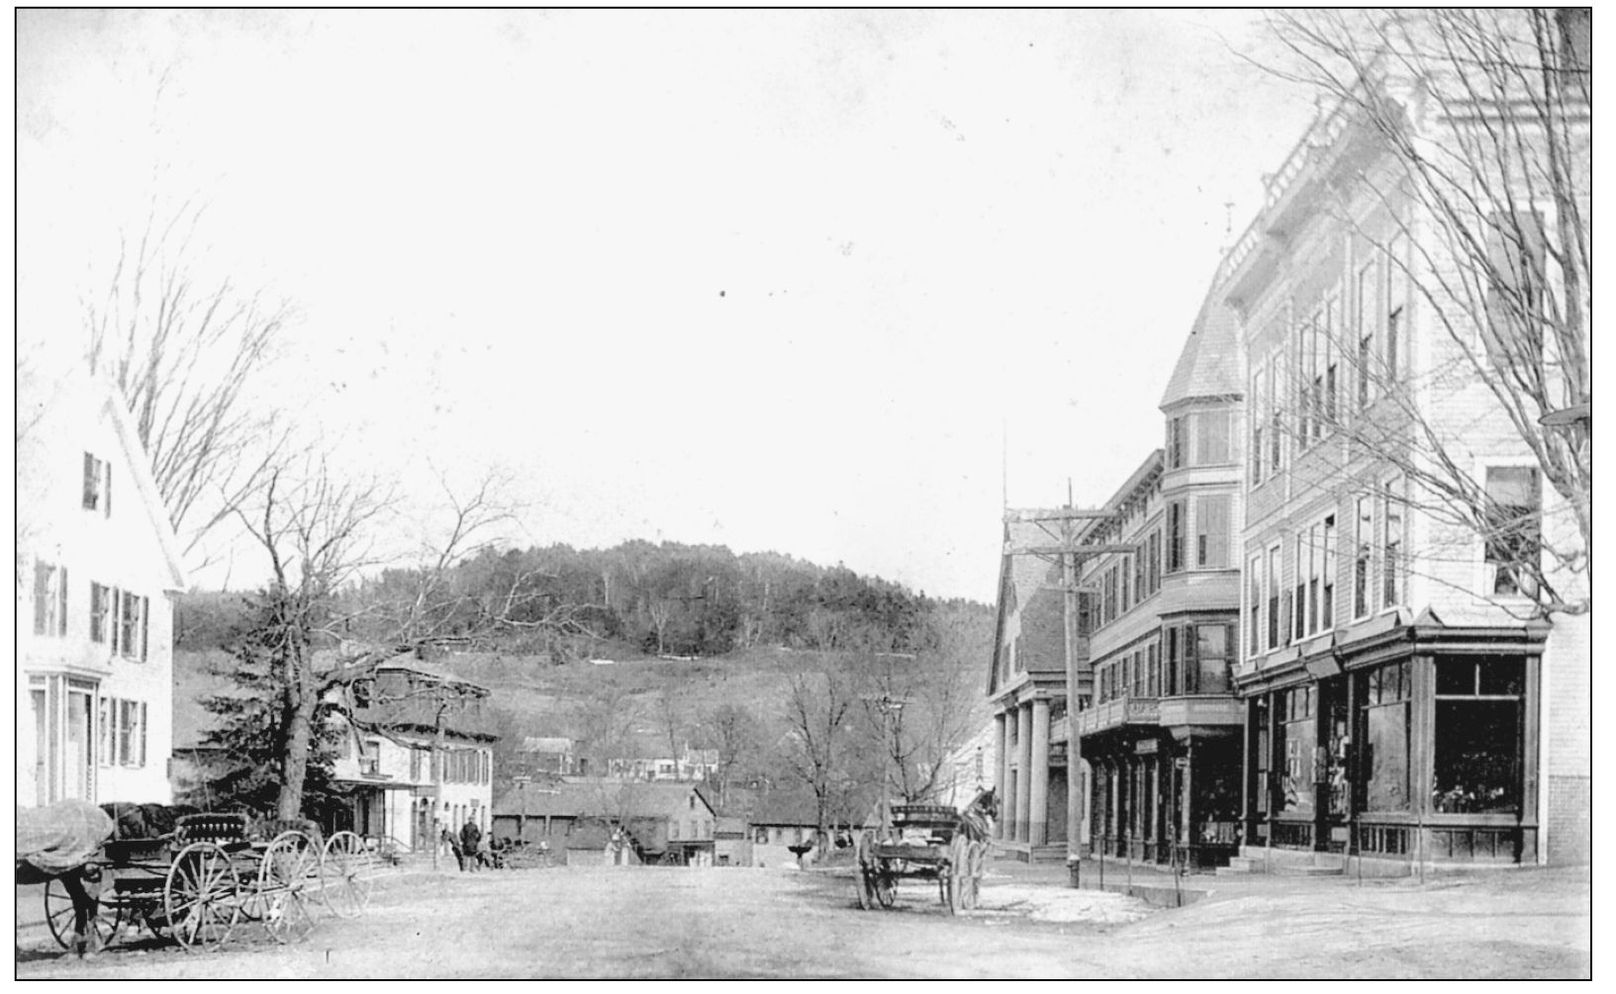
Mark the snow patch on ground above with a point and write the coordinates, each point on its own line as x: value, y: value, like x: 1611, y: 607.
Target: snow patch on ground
x: 1062, y: 904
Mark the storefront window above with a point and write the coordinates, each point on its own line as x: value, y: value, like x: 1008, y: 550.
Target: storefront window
x: 1296, y: 785
x: 1477, y: 755
x: 1386, y: 693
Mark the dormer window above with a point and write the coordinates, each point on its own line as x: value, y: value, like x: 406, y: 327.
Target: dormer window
x: 97, y: 485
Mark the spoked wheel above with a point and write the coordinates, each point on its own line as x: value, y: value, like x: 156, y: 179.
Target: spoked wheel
x: 884, y: 889
x: 288, y: 880
x: 202, y: 896
x: 103, y: 928
x: 346, y: 873
x: 955, y: 880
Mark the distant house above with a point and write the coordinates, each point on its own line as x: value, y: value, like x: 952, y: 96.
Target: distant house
x: 416, y: 754
x: 732, y: 844
x: 541, y: 755
x: 969, y: 770
x: 782, y: 821
x: 665, y: 822
x: 693, y: 764
x: 97, y: 571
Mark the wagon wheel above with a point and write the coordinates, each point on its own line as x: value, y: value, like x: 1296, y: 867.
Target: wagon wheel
x: 956, y: 875
x: 883, y: 887
x: 288, y: 879
x: 106, y: 924
x: 202, y: 896
x: 345, y: 872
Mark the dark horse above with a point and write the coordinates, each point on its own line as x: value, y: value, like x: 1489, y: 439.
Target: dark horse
x: 63, y: 842
x: 979, y: 815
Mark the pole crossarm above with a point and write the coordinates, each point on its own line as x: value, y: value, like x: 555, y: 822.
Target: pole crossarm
x: 1033, y: 514
x: 1011, y: 549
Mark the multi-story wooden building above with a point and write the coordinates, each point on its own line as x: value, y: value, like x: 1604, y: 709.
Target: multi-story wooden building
x: 415, y: 754
x: 1162, y: 738
x: 97, y: 573
x: 1408, y: 694
x: 1028, y: 690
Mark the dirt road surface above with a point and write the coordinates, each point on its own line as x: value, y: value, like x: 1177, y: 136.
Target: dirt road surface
x: 671, y: 923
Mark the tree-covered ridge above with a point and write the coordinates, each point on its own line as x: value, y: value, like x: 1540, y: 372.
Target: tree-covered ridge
x: 665, y: 599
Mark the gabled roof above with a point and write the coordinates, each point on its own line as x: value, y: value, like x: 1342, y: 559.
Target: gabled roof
x: 76, y: 393
x: 785, y: 807
x: 1209, y: 364
x: 1027, y: 609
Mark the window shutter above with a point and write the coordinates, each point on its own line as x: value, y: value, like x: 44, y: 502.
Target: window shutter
x: 106, y: 491
x: 61, y: 602
x: 145, y: 611
x: 142, y: 743
x: 89, y: 481
x: 41, y: 596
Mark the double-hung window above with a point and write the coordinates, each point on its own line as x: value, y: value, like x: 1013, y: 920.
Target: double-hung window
x: 1396, y: 306
x: 1175, y: 535
x: 1254, y: 605
x: 123, y: 732
x: 1212, y: 532
x: 97, y: 485
x: 1363, y: 558
x: 50, y: 599
x: 1513, y: 539
x: 1274, y: 627
x: 1366, y: 311
x: 1393, y: 572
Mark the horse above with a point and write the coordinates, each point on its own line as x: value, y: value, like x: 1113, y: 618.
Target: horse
x: 63, y: 841
x: 978, y: 816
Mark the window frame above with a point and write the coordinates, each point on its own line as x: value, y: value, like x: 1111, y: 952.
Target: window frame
x: 1494, y: 571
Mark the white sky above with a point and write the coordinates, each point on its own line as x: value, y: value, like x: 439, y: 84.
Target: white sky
x: 772, y: 280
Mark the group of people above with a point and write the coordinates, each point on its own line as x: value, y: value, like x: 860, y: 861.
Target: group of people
x: 472, y: 849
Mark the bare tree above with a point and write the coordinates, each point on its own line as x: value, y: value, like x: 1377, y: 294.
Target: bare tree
x: 817, y: 712
x: 317, y: 532
x: 673, y: 723
x: 606, y: 719
x: 919, y: 712
x: 737, y: 735
x: 1475, y: 128
x: 183, y: 349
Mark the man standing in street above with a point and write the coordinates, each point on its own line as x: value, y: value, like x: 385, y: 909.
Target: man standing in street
x: 470, y: 835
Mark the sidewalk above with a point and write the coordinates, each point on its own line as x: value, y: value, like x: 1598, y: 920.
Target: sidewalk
x: 1158, y: 886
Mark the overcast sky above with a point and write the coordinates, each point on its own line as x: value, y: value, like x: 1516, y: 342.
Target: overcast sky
x: 771, y: 280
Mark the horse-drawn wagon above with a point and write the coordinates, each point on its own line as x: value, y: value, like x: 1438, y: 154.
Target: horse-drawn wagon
x: 198, y: 883
x: 922, y: 842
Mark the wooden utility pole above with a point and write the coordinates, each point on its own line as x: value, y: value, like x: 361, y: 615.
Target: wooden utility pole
x: 1066, y: 548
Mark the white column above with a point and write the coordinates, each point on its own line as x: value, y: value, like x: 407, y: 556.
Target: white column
x: 1024, y: 772
x: 1038, y: 795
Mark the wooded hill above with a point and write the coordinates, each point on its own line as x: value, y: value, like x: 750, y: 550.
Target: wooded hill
x: 668, y: 599
x: 705, y: 648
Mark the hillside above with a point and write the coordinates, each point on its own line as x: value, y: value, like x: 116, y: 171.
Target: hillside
x: 626, y: 706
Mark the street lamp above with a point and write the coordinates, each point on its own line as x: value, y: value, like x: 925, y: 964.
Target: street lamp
x: 1568, y: 416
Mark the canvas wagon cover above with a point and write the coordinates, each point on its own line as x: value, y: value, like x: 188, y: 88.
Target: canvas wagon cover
x: 62, y: 835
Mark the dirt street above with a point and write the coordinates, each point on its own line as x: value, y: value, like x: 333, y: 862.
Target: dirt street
x: 655, y: 922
